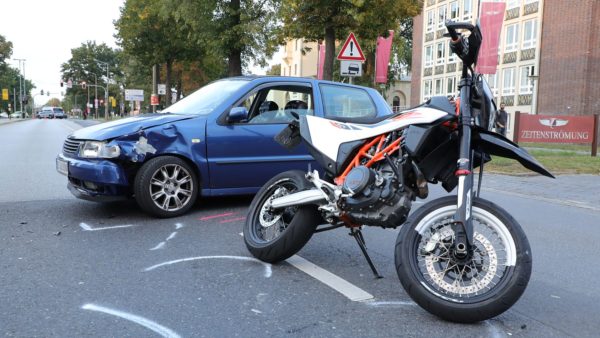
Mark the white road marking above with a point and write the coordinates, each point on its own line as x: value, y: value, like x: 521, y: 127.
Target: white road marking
x: 158, y: 246
x: 351, y: 291
x: 268, y: 271
x: 398, y: 303
x: 494, y: 331
x: 161, y: 330
x: 179, y: 226
x: 171, y: 236
x: 86, y: 227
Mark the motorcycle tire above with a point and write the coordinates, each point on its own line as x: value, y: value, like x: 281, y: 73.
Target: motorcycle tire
x: 462, y: 290
x: 275, y: 236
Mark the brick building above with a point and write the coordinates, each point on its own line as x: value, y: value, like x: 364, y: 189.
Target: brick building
x: 549, y: 55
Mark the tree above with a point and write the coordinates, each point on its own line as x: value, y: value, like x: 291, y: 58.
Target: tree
x: 53, y: 102
x: 83, y: 67
x: 5, y: 50
x: 240, y: 31
x: 9, y: 76
x: 275, y: 70
x: 332, y: 20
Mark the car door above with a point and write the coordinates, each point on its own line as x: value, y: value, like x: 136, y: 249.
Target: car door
x: 243, y: 154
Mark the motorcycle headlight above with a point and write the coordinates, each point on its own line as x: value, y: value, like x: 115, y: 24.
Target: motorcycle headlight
x: 95, y: 149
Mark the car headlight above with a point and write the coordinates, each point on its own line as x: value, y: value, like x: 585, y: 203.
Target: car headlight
x: 95, y: 149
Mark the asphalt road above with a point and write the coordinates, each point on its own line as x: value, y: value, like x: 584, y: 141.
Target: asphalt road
x: 72, y: 268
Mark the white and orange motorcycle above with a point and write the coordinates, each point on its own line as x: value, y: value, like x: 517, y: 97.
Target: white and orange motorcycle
x: 460, y: 257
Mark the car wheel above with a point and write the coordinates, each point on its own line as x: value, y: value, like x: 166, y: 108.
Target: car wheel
x: 166, y: 186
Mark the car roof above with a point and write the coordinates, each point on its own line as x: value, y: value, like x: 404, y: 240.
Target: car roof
x: 271, y: 78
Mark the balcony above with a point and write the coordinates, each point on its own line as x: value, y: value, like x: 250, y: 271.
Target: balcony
x: 509, y: 57
x: 512, y: 13
x: 525, y: 99
x: 507, y: 100
x: 527, y: 54
x: 531, y: 8
x: 439, y: 70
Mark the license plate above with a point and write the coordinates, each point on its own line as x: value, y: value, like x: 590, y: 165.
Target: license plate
x: 62, y: 166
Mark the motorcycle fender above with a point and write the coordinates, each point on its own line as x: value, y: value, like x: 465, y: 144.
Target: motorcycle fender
x: 498, y: 145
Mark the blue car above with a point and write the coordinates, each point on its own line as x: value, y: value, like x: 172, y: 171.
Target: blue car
x: 217, y: 141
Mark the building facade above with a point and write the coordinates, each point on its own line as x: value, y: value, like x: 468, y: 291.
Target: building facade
x: 547, y: 48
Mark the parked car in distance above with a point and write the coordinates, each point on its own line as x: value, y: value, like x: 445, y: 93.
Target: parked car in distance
x: 18, y: 115
x: 45, y: 113
x: 217, y: 141
x: 3, y: 115
x: 58, y: 113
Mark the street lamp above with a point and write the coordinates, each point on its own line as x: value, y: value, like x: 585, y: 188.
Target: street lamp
x: 533, y: 79
x: 106, y: 89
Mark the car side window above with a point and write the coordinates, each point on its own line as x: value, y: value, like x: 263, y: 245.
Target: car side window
x: 275, y: 105
x: 347, y: 102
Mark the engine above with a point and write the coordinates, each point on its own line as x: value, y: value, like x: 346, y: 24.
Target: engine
x: 377, y: 198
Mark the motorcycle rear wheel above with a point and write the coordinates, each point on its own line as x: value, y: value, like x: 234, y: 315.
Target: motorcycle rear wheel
x: 469, y: 290
x: 274, y: 236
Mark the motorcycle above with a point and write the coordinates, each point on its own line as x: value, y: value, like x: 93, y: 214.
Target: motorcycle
x: 460, y: 257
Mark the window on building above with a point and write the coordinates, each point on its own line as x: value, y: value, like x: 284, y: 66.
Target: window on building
x: 492, y: 80
x: 530, y: 1
x: 296, y: 69
x: 451, y: 86
x: 508, y: 81
x: 428, y: 56
x: 512, y: 4
x: 439, y: 86
x: 467, y: 9
x: 430, y: 20
x: 529, y: 33
x: 346, y: 102
x: 297, y: 44
x: 454, y: 10
x: 511, y: 40
x: 440, y: 53
x: 525, y: 83
x: 441, y: 16
x: 426, y: 90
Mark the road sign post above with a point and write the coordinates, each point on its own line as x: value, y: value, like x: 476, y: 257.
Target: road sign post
x: 351, y: 58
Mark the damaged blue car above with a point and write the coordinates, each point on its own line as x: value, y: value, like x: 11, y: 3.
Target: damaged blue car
x: 217, y: 141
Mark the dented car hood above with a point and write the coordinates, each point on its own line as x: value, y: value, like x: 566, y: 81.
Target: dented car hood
x: 130, y: 125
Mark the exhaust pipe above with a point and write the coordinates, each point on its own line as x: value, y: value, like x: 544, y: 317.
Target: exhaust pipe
x: 311, y: 196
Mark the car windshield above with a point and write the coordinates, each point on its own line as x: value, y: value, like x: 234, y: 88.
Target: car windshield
x: 207, y: 98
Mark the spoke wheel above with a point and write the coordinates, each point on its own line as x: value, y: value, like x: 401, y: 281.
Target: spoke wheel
x: 275, y: 235
x: 166, y: 186
x: 485, y: 283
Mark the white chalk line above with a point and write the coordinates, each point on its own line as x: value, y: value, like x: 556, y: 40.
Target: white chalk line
x: 161, y: 330
x: 349, y: 290
x: 158, y: 246
x: 493, y: 330
x: 171, y: 236
x: 398, y: 303
x: 87, y: 227
x: 268, y: 270
x: 179, y: 226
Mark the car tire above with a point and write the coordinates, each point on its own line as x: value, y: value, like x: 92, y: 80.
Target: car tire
x: 166, y: 186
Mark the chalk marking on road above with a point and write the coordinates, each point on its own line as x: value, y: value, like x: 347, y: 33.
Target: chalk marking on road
x: 179, y: 226
x: 351, y: 291
x: 232, y: 220
x: 171, y: 236
x: 568, y: 203
x: 158, y: 246
x: 268, y: 270
x: 87, y: 227
x: 493, y: 330
x: 161, y: 330
x: 215, y: 216
x: 398, y: 303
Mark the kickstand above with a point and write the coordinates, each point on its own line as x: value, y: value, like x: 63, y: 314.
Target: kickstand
x: 358, y: 236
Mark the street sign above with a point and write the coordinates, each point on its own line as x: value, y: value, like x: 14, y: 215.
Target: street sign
x: 162, y: 89
x: 70, y: 84
x: 350, y: 68
x: 134, y: 94
x: 4, y: 94
x: 154, y: 100
x: 96, y: 103
x: 351, y: 50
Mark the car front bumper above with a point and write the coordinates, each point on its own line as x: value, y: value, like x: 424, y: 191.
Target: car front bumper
x: 94, y: 180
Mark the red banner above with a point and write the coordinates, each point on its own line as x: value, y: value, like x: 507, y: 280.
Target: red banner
x: 382, y: 58
x: 320, y: 61
x: 491, y: 19
x: 555, y: 129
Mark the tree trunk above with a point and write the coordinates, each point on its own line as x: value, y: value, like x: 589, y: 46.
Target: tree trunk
x: 179, y: 86
x: 235, y: 52
x: 329, y: 53
x: 168, y: 83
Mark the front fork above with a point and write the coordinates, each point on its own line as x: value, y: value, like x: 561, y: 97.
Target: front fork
x: 463, y: 225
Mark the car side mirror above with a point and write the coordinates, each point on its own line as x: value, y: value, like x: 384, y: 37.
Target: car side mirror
x: 237, y: 114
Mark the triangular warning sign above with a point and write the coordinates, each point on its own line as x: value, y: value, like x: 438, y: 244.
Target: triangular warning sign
x: 351, y: 50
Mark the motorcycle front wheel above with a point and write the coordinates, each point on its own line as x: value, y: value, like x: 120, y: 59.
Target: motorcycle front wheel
x: 275, y: 235
x: 463, y: 289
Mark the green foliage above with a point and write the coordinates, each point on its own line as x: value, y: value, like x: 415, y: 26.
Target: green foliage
x: 275, y: 70
x: 239, y: 31
x: 9, y: 76
x: 5, y: 50
x: 333, y: 20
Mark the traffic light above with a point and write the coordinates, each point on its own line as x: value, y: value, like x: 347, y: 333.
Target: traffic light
x: 42, y: 92
x: 61, y: 83
x: 83, y: 85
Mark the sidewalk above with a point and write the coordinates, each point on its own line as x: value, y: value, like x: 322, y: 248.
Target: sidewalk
x: 7, y: 121
x: 577, y: 190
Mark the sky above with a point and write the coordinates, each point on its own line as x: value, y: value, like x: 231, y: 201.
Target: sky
x: 43, y: 32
